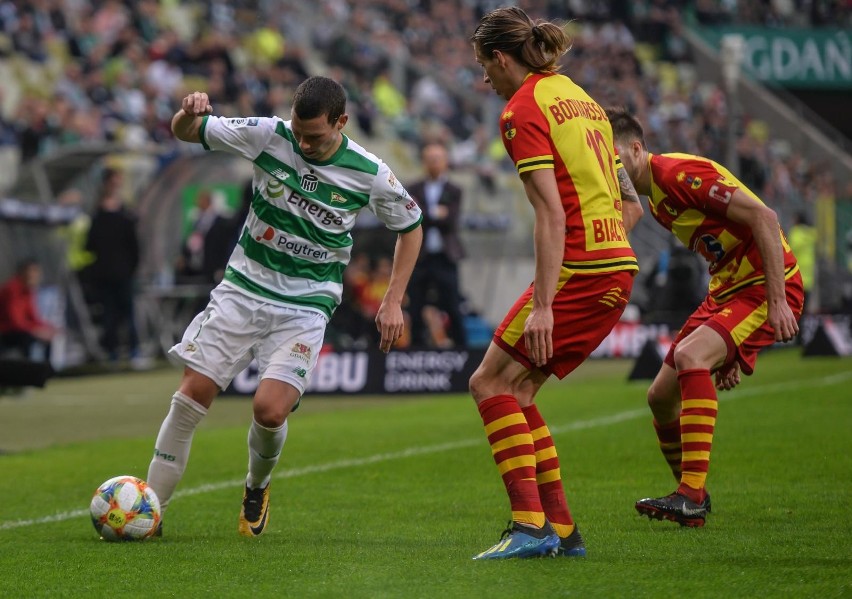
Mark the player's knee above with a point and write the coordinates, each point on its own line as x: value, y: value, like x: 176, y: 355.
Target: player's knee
x: 655, y: 396
x: 199, y: 388
x: 479, y: 385
x: 685, y: 357
x: 270, y: 416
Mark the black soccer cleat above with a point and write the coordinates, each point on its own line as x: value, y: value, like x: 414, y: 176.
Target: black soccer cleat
x: 675, y: 507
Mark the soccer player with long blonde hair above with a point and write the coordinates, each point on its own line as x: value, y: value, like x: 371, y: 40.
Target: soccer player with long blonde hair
x: 561, y: 143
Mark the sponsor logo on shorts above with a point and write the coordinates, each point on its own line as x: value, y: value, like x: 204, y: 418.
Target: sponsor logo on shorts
x: 191, y: 347
x: 300, y: 372
x: 725, y: 312
x: 300, y: 351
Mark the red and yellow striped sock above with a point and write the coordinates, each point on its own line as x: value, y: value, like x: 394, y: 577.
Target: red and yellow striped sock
x: 697, y: 420
x: 514, y: 453
x: 548, y: 475
x: 669, y: 437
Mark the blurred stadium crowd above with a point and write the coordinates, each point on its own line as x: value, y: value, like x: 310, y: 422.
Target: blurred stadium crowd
x: 114, y: 71
x: 89, y: 71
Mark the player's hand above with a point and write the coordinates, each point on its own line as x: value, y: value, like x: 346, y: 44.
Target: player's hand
x: 728, y: 377
x: 538, y: 336
x: 390, y: 323
x: 783, y: 321
x: 196, y: 104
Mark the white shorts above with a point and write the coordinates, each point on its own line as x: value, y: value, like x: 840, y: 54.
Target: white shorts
x: 234, y: 328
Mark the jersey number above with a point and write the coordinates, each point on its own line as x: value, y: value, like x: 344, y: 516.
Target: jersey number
x: 595, y: 140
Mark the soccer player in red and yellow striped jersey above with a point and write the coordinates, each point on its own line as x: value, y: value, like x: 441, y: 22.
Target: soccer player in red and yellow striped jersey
x: 561, y: 143
x: 755, y: 299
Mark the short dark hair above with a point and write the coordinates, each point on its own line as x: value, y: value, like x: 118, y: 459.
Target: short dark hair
x: 316, y: 96
x: 625, y: 126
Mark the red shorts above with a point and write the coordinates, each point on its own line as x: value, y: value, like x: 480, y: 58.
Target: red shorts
x: 741, y: 321
x: 585, y: 309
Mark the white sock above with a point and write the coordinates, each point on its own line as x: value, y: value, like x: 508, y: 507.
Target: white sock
x: 172, y: 449
x: 265, y: 445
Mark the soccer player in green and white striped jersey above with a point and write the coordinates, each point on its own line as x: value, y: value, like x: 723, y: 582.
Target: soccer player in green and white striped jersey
x: 284, y: 278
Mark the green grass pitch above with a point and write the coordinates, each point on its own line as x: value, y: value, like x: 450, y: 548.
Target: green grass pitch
x: 391, y: 497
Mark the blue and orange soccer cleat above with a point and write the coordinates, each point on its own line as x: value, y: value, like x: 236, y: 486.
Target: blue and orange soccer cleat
x: 519, y: 540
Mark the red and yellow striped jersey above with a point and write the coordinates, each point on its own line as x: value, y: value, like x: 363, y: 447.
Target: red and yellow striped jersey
x: 690, y: 197
x: 551, y: 123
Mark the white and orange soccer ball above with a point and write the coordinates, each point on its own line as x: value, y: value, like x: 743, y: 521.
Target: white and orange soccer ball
x: 125, y: 508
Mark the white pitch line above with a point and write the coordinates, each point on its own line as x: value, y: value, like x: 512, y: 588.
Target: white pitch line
x: 430, y: 449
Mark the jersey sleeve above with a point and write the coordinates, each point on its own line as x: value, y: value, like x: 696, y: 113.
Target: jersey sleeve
x: 244, y: 136
x: 392, y: 204
x: 526, y: 136
x: 708, y: 189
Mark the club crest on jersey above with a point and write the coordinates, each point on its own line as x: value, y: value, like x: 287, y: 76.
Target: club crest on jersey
x: 301, y: 352
x: 337, y: 198
x: 509, y: 127
x: 693, y: 182
x: 309, y: 182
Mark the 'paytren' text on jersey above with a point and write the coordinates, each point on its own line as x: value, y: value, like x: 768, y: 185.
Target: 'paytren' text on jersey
x: 296, y: 239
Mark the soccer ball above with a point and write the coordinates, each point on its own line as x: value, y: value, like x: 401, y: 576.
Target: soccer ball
x: 125, y: 508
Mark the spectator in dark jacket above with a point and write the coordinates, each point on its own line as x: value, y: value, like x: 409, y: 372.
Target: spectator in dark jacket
x: 113, y: 242
x: 436, y: 277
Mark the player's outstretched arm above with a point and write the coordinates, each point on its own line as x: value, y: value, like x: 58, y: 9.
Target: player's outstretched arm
x: 186, y: 123
x: 763, y: 222
x: 389, y: 319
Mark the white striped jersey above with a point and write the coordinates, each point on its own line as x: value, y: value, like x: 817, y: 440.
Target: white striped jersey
x: 296, y: 239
